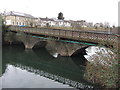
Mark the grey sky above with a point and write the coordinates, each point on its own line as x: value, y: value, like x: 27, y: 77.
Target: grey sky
x: 89, y: 10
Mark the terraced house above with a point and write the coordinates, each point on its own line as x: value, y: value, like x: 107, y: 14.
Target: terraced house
x: 20, y: 19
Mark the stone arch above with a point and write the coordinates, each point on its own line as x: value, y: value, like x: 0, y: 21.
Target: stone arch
x: 63, y: 48
x: 40, y: 43
x: 28, y: 40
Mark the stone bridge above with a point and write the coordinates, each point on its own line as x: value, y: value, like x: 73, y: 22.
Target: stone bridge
x: 62, y: 47
x: 72, y: 41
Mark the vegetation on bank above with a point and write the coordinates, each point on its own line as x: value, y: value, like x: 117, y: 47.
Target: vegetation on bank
x: 103, y: 69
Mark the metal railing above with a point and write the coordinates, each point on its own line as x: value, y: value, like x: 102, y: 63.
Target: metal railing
x: 87, y: 36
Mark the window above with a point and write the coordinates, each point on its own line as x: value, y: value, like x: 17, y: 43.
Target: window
x: 17, y: 23
x: 17, y: 18
x: 13, y: 23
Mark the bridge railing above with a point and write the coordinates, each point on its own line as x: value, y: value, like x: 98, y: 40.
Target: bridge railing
x: 88, y: 36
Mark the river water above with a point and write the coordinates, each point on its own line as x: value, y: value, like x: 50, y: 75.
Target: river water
x: 38, y: 69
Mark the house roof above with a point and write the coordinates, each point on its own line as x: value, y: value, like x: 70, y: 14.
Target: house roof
x: 46, y: 19
x: 13, y: 13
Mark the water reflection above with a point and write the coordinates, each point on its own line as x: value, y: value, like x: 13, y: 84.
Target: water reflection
x: 69, y: 70
x: 30, y: 80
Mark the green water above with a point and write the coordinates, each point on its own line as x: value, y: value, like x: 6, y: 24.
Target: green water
x: 21, y: 69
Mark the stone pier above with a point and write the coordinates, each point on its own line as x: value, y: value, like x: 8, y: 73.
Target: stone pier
x: 27, y: 40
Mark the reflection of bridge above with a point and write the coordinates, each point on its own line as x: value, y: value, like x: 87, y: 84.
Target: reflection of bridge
x: 42, y: 63
x: 83, y: 38
x: 54, y: 77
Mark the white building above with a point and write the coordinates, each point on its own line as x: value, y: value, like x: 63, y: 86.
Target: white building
x: 19, y: 19
x: 51, y: 22
x: 105, y: 25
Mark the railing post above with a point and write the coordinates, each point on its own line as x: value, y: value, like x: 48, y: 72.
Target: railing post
x: 79, y: 34
x: 72, y: 34
x: 59, y: 33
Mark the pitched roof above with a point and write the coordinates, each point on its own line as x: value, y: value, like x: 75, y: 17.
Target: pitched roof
x: 47, y: 19
x: 19, y: 14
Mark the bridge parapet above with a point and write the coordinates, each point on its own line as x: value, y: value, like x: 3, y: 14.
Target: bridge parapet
x: 87, y: 36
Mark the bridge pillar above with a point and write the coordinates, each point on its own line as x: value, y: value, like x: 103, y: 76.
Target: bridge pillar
x: 29, y: 45
x: 63, y: 48
x: 27, y: 40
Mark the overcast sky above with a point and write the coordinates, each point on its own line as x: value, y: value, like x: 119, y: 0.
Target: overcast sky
x: 89, y: 10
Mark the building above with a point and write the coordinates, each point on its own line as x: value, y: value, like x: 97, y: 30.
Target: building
x: 105, y: 25
x: 43, y: 22
x: 78, y: 23
x: 52, y: 22
x: 23, y: 19
x: 19, y: 19
x: 62, y: 23
x: 90, y: 24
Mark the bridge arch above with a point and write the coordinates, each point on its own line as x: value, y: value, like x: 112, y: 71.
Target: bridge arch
x: 28, y: 40
x: 40, y: 43
x: 81, y: 51
x: 65, y: 48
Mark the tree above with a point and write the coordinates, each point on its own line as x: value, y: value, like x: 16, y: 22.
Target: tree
x: 60, y: 16
x: 47, y: 24
x: 31, y: 24
x: 113, y: 26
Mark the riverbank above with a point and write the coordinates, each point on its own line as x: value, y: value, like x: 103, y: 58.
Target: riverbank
x: 103, y: 67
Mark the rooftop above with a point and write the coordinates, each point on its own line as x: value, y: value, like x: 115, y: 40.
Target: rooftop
x: 19, y: 14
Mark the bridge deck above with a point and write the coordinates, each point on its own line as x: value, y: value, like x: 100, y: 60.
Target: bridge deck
x: 88, y: 36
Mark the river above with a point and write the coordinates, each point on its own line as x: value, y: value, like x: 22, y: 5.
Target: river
x: 38, y: 69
